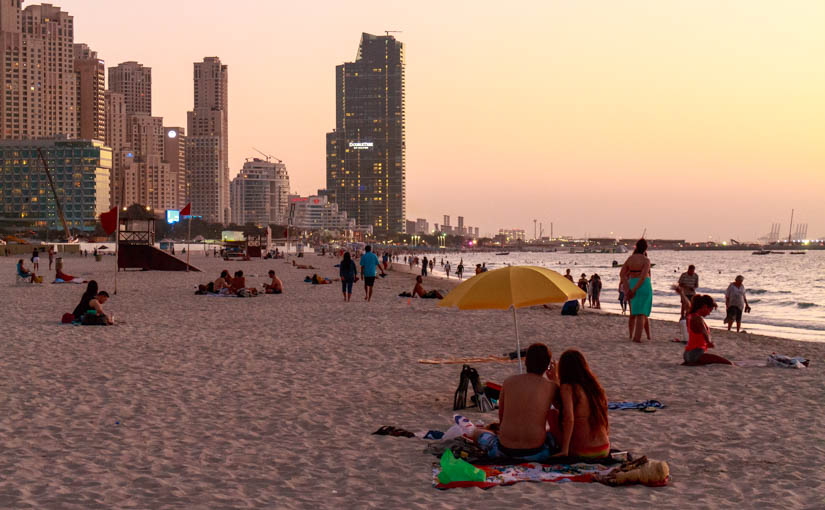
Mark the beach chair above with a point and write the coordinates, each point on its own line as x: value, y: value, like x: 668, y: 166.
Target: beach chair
x: 20, y: 279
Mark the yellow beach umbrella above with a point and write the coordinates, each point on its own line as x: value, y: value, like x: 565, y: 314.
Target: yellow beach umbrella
x: 510, y: 288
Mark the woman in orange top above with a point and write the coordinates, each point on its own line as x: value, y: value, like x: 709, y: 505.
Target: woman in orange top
x: 699, y: 334
x: 584, y: 409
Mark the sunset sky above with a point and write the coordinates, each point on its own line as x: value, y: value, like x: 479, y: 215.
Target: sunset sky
x: 688, y: 118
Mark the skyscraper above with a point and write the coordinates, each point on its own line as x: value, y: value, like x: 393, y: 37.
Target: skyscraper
x: 174, y: 152
x: 260, y: 193
x: 91, y: 87
x: 135, y: 83
x: 366, y: 152
x: 114, y: 106
x: 207, y: 146
x: 37, y: 62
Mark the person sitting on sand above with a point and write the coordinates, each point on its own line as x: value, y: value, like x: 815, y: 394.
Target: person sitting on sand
x: 418, y: 290
x: 22, y: 272
x: 88, y: 295
x: 584, y: 425
x: 238, y: 285
x: 222, y: 284
x: 95, y: 316
x: 699, y: 334
x: 302, y: 266
x: 276, y: 286
x: 524, y: 412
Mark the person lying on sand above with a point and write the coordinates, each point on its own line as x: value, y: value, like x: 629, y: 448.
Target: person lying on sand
x: 302, y: 266
x: 276, y: 286
x: 418, y: 290
x: 95, y: 315
x: 524, y: 411
x: 584, y: 425
x: 699, y: 334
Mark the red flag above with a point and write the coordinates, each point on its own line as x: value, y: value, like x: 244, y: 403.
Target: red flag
x: 186, y: 211
x: 108, y: 220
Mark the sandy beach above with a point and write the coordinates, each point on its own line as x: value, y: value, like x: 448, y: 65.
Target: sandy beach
x: 206, y: 402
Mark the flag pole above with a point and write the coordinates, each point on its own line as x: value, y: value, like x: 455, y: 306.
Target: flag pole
x: 117, y: 247
x: 188, y: 236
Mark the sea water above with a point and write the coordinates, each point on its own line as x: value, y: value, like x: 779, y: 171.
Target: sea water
x: 786, y: 292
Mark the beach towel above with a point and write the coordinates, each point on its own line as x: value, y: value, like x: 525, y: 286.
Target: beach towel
x: 635, y: 405
x: 529, y: 472
x: 460, y: 361
x: 780, y: 360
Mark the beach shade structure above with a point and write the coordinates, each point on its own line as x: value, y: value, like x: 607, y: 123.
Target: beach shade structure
x: 510, y: 288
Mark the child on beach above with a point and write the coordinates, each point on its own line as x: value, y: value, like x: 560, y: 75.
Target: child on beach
x: 622, y: 300
x: 699, y: 334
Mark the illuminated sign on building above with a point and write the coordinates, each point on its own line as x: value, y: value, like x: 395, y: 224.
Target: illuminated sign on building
x: 172, y: 216
x: 360, y: 145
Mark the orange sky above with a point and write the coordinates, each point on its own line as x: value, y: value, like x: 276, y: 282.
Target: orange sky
x: 688, y: 118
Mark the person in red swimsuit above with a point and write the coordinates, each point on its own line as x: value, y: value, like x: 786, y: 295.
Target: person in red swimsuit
x: 699, y: 334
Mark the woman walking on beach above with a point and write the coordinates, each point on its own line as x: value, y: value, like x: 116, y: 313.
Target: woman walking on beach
x: 635, y: 275
x: 348, y: 272
x: 584, y: 423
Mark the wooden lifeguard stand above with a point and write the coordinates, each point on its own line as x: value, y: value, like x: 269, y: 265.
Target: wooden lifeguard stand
x: 136, y: 250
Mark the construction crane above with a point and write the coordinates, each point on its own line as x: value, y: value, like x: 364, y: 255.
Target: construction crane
x: 56, y: 199
x: 267, y: 156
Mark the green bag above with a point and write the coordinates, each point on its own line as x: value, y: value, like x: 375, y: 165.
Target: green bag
x: 457, y: 470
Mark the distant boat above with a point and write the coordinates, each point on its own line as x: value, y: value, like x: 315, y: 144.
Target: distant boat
x: 503, y: 253
x: 761, y: 252
x: 797, y: 253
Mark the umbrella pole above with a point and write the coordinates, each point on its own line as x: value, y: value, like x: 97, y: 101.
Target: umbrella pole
x: 518, y: 342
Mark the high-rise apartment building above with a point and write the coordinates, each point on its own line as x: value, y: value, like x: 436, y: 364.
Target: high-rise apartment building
x: 134, y: 81
x: 366, y: 151
x: 259, y: 193
x: 114, y: 106
x: 91, y: 87
x: 174, y: 152
x: 461, y: 225
x: 207, y: 146
x: 37, y: 62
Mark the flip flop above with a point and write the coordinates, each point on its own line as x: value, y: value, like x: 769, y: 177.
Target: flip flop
x: 649, y: 410
x: 384, y: 431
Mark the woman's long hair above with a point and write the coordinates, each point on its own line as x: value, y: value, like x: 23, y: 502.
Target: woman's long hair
x: 701, y: 300
x: 641, y: 247
x: 91, y: 288
x: 573, y: 369
x: 347, y: 263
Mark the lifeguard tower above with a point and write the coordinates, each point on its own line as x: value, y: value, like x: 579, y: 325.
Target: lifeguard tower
x: 136, y: 248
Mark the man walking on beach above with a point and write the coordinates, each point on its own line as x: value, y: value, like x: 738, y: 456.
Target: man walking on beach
x: 735, y: 303
x: 688, y: 283
x: 369, y: 265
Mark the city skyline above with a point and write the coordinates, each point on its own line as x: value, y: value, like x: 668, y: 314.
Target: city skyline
x: 601, y: 118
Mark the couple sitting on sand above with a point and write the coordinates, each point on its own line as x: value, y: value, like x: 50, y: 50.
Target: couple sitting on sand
x: 227, y: 285
x: 89, y: 312
x: 551, y: 411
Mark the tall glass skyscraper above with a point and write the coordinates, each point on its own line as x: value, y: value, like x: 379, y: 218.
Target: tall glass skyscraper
x: 366, y: 152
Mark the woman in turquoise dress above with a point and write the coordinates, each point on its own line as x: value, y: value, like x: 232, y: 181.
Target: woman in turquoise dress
x: 635, y: 277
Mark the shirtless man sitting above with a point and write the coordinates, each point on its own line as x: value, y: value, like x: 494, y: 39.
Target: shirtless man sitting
x: 276, y: 287
x: 418, y: 290
x: 223, y: 282
x: 238, y: 286
x: 98, y: 317
x: 524, y: 412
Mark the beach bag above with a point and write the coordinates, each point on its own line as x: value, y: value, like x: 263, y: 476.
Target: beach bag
x: 67, y: 318
x: 457, y: 470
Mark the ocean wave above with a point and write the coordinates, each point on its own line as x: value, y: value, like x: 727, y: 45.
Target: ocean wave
x: 764, y: 291
x: 806, y: 305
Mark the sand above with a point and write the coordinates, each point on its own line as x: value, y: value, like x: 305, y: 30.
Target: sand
x: 204, y: 402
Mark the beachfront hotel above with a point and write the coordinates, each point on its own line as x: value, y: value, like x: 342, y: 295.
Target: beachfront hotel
x: 366, y: 151
x: 80, y: 170
x: 259, y: 193
x: 207, y: 146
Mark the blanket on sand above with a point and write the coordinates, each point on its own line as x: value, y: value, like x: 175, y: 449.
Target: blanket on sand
x: 529, y: 472
x: 635, y: 405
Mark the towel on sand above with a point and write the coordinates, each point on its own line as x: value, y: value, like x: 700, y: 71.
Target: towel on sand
x: 635, y: 405
x: 531, y: 472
